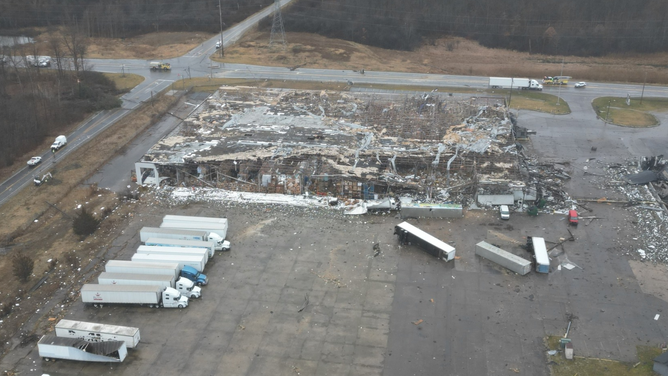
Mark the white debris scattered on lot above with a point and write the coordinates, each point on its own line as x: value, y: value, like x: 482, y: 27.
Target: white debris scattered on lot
x: 211, y: 194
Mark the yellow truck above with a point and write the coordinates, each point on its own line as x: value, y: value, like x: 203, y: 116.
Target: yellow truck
x: 556, y: 80
x: 158, y: 65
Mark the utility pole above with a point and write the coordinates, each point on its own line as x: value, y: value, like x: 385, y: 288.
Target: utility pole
x: 561, y: 74
x: 643, y: 87
x: 277, y: 30
x: 222, y: 46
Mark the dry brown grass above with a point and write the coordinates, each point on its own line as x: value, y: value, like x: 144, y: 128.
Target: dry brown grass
x: 457, y: 56
x: 160, y: 45
x: 124, y: 82
x: 28, y: 224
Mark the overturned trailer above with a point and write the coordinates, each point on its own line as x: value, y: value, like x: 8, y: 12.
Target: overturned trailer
x: 506, y: 259
x: 52, y: 347
x: 409, y: 234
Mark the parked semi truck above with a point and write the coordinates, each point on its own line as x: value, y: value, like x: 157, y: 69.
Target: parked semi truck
x: 181, y: 244
x: 52, y: 347
x: 124, y: 266
x: 182, y: 285
x: 514, y: 83
x: 94, y: 332
x: 217, y: 226
x: 506, y: 259
x: 196, y: 262
x: 172, y: 233
x: 195, y: 276
x: 152, y: 296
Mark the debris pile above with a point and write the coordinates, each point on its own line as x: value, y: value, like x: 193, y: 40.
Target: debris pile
x: 333, y: 144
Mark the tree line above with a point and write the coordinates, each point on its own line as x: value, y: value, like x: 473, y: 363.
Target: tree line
x: 124, y: 18
x: 36, y: 103
x: 556, y: 27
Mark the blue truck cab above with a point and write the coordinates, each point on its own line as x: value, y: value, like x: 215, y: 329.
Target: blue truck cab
x: 192, y: 274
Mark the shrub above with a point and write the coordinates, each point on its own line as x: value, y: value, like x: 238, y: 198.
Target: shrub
x: 23, y: 266
x: 85, y: 223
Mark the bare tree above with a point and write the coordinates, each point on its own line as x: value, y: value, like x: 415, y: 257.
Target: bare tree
x: 77, y: 45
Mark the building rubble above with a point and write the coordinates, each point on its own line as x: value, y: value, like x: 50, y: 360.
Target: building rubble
x: 431, y: 147
x: 644, y: 201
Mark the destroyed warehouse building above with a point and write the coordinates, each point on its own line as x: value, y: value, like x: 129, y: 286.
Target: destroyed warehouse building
x: 432, y: 146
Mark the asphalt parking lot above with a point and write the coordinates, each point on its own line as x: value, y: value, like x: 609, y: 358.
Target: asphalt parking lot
x: 402, y: 312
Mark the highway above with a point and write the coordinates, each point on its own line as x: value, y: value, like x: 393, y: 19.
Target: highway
x: 196, y: 63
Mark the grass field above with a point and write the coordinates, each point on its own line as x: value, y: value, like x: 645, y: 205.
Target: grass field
x: 581, y: 366
x: 636, y: 115
x: 125, y: 82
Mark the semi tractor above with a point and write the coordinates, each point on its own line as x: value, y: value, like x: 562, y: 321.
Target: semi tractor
x: 124, y: 266
x: 53, y: 347
x: 94, y: 332
x: 195, y: 276
x: 183, y: 285
x: 152, y: 296
x: 176, y: 244
x: 514, y: 83
x: 216, y: 226
x: 172, y: 233
x: 196, y: 262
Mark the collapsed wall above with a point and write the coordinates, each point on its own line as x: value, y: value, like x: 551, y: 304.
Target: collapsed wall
x: 332, y: 143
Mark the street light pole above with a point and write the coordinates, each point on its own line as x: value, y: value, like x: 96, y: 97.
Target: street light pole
x: 220, y: 12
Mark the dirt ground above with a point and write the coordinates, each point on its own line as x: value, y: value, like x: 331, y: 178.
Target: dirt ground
x: 653, y: 279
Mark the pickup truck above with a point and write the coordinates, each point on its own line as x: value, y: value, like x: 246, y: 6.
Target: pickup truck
x: 34, y: 161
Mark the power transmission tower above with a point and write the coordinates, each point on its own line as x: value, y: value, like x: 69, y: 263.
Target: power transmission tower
x: 277, y: 30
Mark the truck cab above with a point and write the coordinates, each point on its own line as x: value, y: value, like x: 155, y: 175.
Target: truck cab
x: 159, y: 65
x: 172, y: 298
x: 59, y: 143
x: 187, y: 287
x: 221, y: 244
x: 192, y: 274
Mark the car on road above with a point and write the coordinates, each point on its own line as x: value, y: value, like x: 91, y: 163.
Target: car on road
x: 580, y: 85
x: 218, y: 44
x: 34, y: 161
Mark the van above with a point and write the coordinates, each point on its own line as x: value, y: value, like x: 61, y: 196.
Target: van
x: 504, y: 212
x: 572, y: 217
x: 59, y: 143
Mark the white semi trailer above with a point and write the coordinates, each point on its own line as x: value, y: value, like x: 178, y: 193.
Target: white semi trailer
x: 218, y: 227
x: 51, y: 347
x: 196, y: 262
x: 152, y: 296
x: 95, y: 332
x: 514, y: 83
x: 176, y: 244
x: 174, y: 233
x: 125, y: 266
x: 183, y: 285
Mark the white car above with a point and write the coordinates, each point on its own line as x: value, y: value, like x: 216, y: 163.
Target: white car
x: 218, y: 44
x: 580, y: 85
x: 504, y: 212
x: 34, y: 161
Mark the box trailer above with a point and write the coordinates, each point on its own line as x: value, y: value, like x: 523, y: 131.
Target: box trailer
x: 177, y: 243
x: 192, y: 218
x: 176, y: 251
x: 95, y: 332
x: 409, y: 234
x: 182, y: 285
x: 196, y: 262
x: 537, y: 246
x: 156, y: 232
x: 125, y: 266
x: 152, y: 296
x: 52, y: 347
x: 218, y: 228
x: 506, y: 259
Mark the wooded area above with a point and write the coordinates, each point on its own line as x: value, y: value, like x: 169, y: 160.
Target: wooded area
x: 36, y: 103
x: 557, y: 27
x: 123, y: 18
